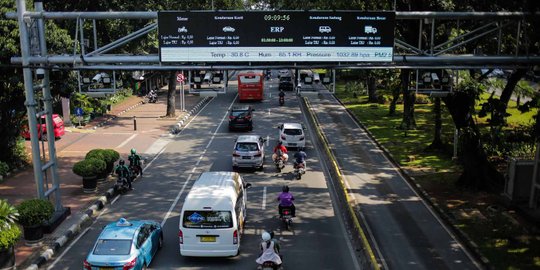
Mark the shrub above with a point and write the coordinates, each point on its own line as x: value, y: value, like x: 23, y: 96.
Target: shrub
x: 9, y: 236
x: 95, y: 153
x: 34, y: 212
x: 4, y: 168
x: 9, y: 231
x: 111, y: 155
x: 89, y: 167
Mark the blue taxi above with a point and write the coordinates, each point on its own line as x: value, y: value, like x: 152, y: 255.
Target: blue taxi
x: 124, y: 245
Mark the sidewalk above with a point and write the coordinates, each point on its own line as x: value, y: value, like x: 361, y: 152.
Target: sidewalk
x: 114, y: 130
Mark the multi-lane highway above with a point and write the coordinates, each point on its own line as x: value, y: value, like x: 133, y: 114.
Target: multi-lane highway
x: 318, y: 239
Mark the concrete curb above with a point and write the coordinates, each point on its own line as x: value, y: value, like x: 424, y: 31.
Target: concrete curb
x: 102, y: 123
x: 72, y: 231
x: 176, y: 128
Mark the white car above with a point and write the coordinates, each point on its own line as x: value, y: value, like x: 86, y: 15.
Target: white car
x: 292, y: 135
x: 248, y: 152
x: 228, y: 29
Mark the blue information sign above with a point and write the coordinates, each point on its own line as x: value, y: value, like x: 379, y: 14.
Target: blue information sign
x: 79, y: 111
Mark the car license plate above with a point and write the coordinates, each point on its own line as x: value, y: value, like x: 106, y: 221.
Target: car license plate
x: 292, y: 143
x: 106, y: 268
x: 246, y: 157
x: 208, y: 239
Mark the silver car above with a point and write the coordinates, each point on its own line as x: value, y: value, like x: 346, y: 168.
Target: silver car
x: 248, y: 152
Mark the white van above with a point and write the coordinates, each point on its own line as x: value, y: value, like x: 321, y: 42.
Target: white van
x: 213, y: 214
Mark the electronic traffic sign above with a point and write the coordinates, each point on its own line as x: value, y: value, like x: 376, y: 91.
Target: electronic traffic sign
x: 276, y: 36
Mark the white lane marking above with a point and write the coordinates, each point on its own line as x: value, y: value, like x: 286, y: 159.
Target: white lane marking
x: 267, y: 140
x: 264, y: 199
x: 115, y: 199
x: 68, y: 248
x: 268, y: 111
x: 156, y: 147
x: 176, y: 200
x: 126, y: 141
x: 159, y: 154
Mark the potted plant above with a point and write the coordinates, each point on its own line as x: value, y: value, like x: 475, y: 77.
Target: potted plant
x: 101, y: 155
x: 9, y: 234
x: 32, y: 214
x: 89, y: 169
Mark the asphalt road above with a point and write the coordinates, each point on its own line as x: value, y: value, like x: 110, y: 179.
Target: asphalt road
x: 405, y: 231
x: 317, y: 240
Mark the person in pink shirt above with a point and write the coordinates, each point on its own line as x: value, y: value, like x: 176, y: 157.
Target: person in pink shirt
x: 286, y: 201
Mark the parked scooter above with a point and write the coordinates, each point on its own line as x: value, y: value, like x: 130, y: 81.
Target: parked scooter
x: 286, y: 217
x: 299, y: 170
x: 152, y: 97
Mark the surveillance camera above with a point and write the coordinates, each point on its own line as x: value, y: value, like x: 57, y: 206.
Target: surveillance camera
x: 97, y: 78
x: 40, y: 73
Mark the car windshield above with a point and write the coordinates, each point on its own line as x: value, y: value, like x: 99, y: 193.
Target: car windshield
x: 250, y: 79
x: 112, y: 247
x: 247, y: 147
x: 239, y: 113
x: 207, y: 219
x: 293, y: 131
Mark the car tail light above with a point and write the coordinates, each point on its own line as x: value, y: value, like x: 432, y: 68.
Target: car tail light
x: 235, y: 237
x: 235, y: 154
x: 86, y: 265
x: 283, y: 137
x: 130, y: 265
x: 301, y: 138
x: 248, y: 117
x: 180, y: 236
x: 231, y: 117
x: 259, y: 153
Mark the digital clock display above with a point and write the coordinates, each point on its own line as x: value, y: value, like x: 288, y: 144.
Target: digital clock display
x: 277, y: 17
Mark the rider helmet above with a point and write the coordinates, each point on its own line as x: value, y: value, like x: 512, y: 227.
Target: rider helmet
x: 121, y: 162
x: 266, y: 236
x: 133, y: 151
x: 279, y: 143
x: 285, y: 189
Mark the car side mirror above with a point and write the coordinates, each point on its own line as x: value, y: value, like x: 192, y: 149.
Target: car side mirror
x: 247, y: 185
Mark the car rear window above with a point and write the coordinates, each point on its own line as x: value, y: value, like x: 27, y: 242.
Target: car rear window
x: 294, y: 131
x: 239, y: 113
x: 250, y: 79
x: 285, y: 79
x: 207, y: 219
x: 112, y: 247
x: 247, y: 147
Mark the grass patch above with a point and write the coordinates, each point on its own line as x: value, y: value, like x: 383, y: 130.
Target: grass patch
x: 506, y: 240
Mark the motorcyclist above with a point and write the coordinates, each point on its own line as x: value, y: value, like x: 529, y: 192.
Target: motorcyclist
x: 135, y: 160
x: 286, y: 201
x: 280, y: 149
x: 122, y: 171
x: 152, y: 94
x: 281, y: 96
x: 300, y: 158
x: 269, y: 251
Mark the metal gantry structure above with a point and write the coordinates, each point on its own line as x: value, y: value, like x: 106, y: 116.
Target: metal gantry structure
x: 34, y: 56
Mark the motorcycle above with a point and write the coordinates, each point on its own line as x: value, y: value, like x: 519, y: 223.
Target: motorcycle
x: 269, y: 265
x: 278, y: 161
x: 121, y: 185
x: 281, y: 101
x: 152, y: 97
x: 286, y: 217
x: 135, y: 172
x: 299, y: 170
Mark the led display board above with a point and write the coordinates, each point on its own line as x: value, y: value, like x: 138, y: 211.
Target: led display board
x: 275, y: 36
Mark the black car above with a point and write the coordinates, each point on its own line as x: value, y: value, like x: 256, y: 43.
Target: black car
x: 241, y: 118
x: 286, y: 83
